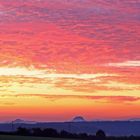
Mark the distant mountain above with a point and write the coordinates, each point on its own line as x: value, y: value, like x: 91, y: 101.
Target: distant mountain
x: 19, y: 121
x: 134, y: 119
x: 78, y: 119
x: 111, y: 128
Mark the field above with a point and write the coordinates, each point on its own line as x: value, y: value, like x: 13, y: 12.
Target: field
x: 4, y: 137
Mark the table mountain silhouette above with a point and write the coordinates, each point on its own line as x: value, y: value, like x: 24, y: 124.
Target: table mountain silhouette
x: 78, y: 119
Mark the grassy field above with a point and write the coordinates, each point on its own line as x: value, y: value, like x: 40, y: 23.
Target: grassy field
x: 4, y: 137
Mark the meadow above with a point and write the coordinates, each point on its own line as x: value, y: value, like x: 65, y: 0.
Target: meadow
x: 5, y: 137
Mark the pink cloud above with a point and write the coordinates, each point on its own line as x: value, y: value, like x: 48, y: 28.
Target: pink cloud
x: 68, y: 37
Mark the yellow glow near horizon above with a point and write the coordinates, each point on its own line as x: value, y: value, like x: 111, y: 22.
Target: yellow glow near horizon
x: 15, y: 71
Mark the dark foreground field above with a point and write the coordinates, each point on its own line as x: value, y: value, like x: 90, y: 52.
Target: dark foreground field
x: 4, y: 137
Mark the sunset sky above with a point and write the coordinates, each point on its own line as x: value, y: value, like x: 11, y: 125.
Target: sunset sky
x: 63, y: 58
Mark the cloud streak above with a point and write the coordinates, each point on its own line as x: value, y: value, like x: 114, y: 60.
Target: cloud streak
x: 117, y: 99
x: 126, y: 64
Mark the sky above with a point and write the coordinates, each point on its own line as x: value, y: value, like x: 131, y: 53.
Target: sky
x: 65, y: 58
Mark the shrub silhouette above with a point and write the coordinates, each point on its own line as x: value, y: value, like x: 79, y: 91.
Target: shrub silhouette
x: 83, y: 135
x: 100, y: 134
x: 64, y: 134
x: 37, y: 132
x: 23, y: 131
x: 50, y: 132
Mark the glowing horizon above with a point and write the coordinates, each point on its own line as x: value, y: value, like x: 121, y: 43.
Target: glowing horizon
x: 60, y: 59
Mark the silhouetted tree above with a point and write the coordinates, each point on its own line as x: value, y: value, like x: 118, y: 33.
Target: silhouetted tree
x: 23, y: 131
x: 37, y: 132
x: 64, y: 134
x: 82, y: 135
x: 50, y: 132
x: 100, y: 134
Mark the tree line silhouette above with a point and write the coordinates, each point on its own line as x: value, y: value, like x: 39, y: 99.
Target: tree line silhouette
x: 50, y: 132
